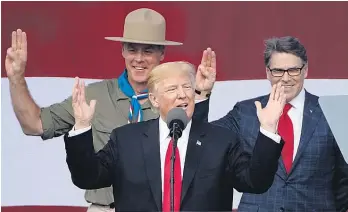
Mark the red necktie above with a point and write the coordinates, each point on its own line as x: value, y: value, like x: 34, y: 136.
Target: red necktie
x: 286, y: 131
x: 177, y: 180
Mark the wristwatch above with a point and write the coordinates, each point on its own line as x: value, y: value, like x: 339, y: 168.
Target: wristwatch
x: 207, y: 94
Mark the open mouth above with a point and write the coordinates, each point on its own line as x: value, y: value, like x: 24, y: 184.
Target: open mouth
x: 139, y: 68
x: 183, y: 106
x: 288, y: 86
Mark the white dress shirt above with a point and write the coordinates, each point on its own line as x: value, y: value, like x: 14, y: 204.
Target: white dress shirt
x: 296, y: 116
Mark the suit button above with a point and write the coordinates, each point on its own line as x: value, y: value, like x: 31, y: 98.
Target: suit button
x: 281, y: 209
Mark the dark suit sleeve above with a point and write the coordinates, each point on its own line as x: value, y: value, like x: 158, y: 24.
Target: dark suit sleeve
x: 254, y: 173
x: 201, y: 111
x: 90, y: 170
x: 340, y: 181
x: 229, y: 121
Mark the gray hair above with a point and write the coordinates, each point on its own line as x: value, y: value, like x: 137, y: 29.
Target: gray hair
x: 286, y: 44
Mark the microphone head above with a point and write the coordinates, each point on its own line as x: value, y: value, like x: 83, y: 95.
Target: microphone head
x: 177, y: 115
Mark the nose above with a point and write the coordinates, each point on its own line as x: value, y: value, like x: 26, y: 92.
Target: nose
x: 181, y: 93
x: 139, y: 57
x: 286, y: 77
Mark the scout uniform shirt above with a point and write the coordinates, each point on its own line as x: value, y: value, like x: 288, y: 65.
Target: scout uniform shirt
x: 111, y: 111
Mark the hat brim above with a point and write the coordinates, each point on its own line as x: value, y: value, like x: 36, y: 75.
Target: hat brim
x: 164, y: 43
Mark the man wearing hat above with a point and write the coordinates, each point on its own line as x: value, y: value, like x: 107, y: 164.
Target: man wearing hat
x: 120, y: 101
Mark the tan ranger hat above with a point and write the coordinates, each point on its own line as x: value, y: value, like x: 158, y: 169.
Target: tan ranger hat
x: 144, y: 26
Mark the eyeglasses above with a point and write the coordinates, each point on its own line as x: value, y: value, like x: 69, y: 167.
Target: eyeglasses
x: 277, y: 72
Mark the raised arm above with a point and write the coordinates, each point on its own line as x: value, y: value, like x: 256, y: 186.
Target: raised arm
x: 89, y: 170
x: 25, y: 108
x: 255, y: 173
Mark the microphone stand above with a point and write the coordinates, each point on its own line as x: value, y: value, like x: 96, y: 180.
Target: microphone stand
x: 175, y: 137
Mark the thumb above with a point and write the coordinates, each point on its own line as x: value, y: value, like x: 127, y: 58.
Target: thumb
x: 92, y: 104
x: 258, y: 106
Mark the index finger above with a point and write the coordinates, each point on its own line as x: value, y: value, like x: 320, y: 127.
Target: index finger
x: 14, y: 40
x: 204, y: 58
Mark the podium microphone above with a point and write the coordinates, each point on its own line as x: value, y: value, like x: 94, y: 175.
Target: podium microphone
x: 176, y: 122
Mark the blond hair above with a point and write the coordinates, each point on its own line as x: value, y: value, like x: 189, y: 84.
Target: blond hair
x: 165, y: 70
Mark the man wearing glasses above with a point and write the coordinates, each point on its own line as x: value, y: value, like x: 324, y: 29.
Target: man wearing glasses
x: 312, y: 174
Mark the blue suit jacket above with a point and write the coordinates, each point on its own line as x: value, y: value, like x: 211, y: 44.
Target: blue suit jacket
x: 318, y: 180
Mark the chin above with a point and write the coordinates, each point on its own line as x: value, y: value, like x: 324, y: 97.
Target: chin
x: 140, y: 79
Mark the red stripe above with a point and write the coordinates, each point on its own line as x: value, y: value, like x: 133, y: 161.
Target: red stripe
x: 67, y: 38
x: 46, y: 208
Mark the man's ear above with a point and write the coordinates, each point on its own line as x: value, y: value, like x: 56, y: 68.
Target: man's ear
x: 268, y: 74
x: 162, y: 55
x: 305, y: 71
x: 153, y: 99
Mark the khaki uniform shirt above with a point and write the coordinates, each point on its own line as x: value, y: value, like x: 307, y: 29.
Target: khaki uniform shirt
x: 111, y: 111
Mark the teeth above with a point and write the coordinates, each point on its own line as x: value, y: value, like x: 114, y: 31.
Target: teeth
x: 139, y: 68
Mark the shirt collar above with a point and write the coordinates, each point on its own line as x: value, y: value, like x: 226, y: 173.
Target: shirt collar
x: 164, y: 130
x: 298, y: 101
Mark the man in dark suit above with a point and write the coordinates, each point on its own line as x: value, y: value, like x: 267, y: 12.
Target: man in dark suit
x: 312, y: 174
x: 209, y: 159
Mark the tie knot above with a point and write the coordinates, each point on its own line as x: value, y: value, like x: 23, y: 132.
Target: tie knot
x: 286, y: 109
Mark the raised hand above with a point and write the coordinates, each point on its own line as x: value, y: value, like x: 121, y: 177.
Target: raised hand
x: 206, y: 72
x: 16, y: 57
x: 83, y: 112
x: 269, y: 116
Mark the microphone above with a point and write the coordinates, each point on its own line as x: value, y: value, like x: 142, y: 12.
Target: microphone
x: 176, y: 122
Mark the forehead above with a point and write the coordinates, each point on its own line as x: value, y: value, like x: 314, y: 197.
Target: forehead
x: 284, y: 60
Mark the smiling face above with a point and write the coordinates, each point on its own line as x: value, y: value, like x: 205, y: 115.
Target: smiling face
x: 140, y: 60
x: 289, y: 70
x: 172, y: 85
x: 286, y: 63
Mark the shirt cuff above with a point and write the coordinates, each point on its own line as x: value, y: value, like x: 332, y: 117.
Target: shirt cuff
x: 271, y: 135
x: 74, y: 132
x: 199, y: 100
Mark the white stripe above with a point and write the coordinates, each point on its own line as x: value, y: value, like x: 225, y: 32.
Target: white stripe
x: 35, y: 172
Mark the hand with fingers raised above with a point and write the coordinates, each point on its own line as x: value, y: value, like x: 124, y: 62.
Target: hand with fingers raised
x: 83, y: 112
x: 269, y: 115
x: 16, y: 57
x: 206, y: 72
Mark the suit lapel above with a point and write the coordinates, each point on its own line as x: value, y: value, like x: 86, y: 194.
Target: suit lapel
x: 193, y: 156
x: 311, y: 116
x: 152, y: 160
x: 264, y: 102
